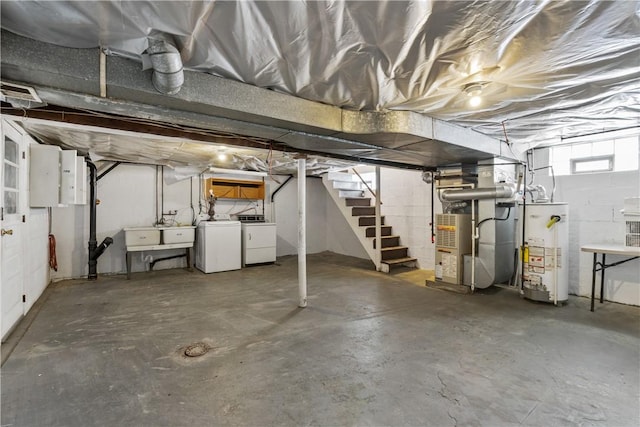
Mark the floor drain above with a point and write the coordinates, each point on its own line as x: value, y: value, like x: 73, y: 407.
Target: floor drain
x: 196, y: 350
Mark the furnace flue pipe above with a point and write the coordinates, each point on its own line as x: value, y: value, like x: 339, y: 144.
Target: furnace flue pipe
x: 503, y: 191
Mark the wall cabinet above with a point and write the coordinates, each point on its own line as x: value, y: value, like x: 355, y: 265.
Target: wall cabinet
x: 225, y: 188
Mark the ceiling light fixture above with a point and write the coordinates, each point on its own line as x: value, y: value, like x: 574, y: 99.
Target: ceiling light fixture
x: 474, y: 92
x: 222, y: 153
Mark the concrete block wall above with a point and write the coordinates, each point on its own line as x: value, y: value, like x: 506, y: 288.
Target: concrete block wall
x: 595, y: 201
x: 406, y: 205
x: 285, y: 211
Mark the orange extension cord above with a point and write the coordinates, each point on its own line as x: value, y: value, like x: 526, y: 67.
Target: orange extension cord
x: 53, y: 261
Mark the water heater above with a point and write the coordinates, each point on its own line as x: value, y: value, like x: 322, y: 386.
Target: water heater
x: 546, y: 252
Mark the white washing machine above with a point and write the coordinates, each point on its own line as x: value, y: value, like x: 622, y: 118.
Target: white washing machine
x: 218, y: 246
x: 258, y: 242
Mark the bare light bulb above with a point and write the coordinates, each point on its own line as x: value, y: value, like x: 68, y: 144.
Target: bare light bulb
x: 475, y: 101
x: 222, y: 156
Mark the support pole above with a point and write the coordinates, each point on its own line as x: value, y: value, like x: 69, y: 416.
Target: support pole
x: 474, y: 236
x: 302, y: 232
x: 378, y: 223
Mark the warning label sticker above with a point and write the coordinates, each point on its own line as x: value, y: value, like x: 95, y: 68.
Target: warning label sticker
x: 536, y: 259
x: 449, y: 265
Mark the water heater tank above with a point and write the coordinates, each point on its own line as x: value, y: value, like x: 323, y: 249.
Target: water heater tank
x: 546, y: 252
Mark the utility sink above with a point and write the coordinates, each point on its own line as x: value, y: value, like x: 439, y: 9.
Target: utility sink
x: 180, y: 234
x: 152, y: 236
x: 141, y: 236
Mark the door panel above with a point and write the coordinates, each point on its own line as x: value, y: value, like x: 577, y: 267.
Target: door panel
x: 12, y: 208
x: 260, y: 236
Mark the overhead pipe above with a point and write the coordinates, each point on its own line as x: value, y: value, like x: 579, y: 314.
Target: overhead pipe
x: 153, y: 262
x: 168, y: 74
x: 109, y: 169
x: 273, y: 195
x: 429, y: 178
x: 541, y: 193
x: 502, y: 191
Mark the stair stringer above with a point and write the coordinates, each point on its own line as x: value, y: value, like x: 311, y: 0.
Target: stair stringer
x: 366, y: 242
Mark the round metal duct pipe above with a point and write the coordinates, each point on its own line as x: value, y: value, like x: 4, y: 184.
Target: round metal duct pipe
x: 168, y: 75
x: 498, y: 192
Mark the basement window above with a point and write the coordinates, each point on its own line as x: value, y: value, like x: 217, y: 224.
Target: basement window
x: 613, y: 155
x: 592, y: 164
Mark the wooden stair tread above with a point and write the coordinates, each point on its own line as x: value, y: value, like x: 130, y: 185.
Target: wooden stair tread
x: 398, y: 260
x: 361, y: 208
x: 363, y: 202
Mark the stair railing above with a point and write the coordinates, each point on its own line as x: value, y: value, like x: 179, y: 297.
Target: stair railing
x: 373, y: 193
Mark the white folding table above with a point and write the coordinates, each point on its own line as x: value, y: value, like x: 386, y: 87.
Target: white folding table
x: 604, y: 250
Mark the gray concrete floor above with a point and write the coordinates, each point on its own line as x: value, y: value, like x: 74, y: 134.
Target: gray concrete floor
x: 371, y: 349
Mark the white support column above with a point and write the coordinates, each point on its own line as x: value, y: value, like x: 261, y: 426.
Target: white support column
x: 302, y: 231
x: 378, y: 223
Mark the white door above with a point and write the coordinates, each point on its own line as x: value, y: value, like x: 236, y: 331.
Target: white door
x: 13, y: 206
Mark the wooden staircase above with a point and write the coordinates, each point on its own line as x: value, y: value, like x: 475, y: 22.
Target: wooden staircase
x: 349, y: 195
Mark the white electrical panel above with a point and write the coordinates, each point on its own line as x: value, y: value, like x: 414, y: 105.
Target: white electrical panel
x: 81, y: 181
x: 56, y: 177
x: 44, y: 175
x: 68, y: 166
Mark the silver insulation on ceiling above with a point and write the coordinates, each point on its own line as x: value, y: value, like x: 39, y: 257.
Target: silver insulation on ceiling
x: 547, y: 68
x: 177, y: 153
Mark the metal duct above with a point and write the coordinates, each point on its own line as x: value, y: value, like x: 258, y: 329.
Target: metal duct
x: 503, y: 191
x: 396, y: 138
x: 496, y: 238
x: 168, y: 75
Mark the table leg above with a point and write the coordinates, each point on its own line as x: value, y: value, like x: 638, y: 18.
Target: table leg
x: 128, y: 265
x: 593, y: 278
x: 188, y: 258
x: 602, y: 278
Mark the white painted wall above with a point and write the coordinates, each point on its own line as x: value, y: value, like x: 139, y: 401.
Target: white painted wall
x: 36, y: 259
x: 285, y: 212
x: 595, y: 201
x: 406, y: 205
x: 128, y: 198
x: 341, y: 239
